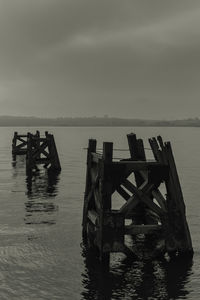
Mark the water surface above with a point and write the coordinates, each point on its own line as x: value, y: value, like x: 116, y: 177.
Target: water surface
x: 41, y: 253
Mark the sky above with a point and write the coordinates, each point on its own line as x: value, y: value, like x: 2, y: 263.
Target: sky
x: 71, y: 58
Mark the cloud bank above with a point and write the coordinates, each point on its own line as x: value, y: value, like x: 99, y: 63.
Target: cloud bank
x: 83, y: 58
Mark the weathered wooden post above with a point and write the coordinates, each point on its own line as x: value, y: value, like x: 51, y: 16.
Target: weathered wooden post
x: 88, y: 186
x: 176, y: 208
x: 14, y: 142
x: 29, y: 154
x: 178, y: 238
x: 37, y: 143
x: 53, y: 154
x: 105, y: 190
x: 137, y: 152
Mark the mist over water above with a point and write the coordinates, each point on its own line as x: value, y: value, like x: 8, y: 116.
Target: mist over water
x: 41, y: 250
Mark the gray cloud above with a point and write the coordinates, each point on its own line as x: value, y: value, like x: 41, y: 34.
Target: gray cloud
x: 71, y: 58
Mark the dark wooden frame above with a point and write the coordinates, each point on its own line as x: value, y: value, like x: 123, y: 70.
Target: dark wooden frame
x: 150, y: 211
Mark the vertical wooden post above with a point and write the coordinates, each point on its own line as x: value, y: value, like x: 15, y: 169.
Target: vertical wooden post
x: 55, y: 162
x: 136, y: 148
x: 105, y: 199
x: 14, y: 142
x: 91, y: 148
x: 132, y: 143
x: 175, y: 225
x: 107, y: 152
x: 137, y: 152
x: 176, y: 207
x: 140, y: 150
x: 37, y: 143
x: 29, y: 158
x: 105, y: 181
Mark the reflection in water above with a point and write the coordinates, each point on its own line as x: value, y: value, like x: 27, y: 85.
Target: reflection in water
x: 18, y: 162
x: 41, y: 192
x: 136, y: 280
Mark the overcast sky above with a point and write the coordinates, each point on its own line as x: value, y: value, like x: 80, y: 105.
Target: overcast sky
x: 126, y: 58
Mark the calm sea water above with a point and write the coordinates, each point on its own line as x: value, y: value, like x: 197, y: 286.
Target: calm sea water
x: 41, y: 253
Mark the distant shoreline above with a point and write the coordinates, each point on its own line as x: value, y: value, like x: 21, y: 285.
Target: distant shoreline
x: 106, y: 126
x: 11, y: 121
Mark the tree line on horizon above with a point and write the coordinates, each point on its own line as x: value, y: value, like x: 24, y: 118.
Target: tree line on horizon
x: 94, y: 121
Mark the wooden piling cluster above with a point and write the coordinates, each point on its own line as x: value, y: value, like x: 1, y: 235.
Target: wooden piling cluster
x: 158, y: 218
x: 38, y: 150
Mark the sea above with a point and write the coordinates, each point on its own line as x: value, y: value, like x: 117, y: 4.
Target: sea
x: 41, y: 250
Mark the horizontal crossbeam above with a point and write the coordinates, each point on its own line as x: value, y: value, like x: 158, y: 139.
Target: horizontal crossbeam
x: 142, y: 229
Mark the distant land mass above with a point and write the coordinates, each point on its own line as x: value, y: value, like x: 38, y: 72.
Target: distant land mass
x: 95, y: 121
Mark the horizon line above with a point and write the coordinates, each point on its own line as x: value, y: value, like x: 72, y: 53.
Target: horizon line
x: 101, y: 117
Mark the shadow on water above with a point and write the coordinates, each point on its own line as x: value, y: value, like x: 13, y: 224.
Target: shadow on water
x: 135, y: 280
x: 41, y: 192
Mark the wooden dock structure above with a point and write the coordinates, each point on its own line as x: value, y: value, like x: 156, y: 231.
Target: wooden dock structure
x: 38, y: 150
x: 157, y: 217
